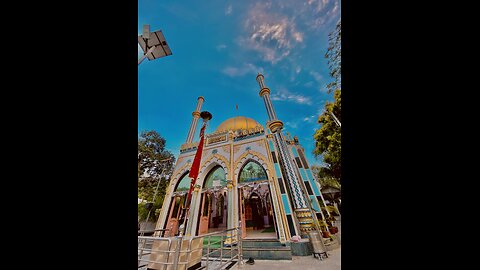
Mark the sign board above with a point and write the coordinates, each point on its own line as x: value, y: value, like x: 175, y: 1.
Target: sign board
x: 158, y: 40
x: 146, y: 31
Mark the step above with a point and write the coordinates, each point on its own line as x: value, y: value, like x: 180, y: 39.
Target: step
x: 267, y: 253
x: 262, y: 243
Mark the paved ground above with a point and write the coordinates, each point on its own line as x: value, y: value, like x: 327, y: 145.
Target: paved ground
x: 299, y: 262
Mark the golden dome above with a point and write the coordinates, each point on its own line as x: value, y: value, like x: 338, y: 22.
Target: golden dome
x: 239, y: 122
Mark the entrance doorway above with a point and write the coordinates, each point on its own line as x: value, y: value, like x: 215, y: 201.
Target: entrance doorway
x: 176, y: 211
x: 213, y: 206
x: 256, y: 211
x: 213, y: 211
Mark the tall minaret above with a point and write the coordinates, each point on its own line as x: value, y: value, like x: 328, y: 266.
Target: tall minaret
x: 196, y: 116
x: 302, y: 211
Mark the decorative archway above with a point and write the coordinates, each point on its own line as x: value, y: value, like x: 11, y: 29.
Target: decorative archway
x: 252, y: 171
x: 211, y: 162
x: 176, y: 210
x: 256, y: 210
x: 246, y: 157
x: 212, y: 213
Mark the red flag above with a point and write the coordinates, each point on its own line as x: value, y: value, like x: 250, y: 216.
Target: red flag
x: 236, y: 106
x: 196, y: 163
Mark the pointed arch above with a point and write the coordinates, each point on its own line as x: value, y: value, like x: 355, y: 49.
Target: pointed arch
x: 183, y: 184
x: 209, y: 164
x: 252, y: 171
x: 248, y: 156
x: 177, y: 175
x: 215, y: 177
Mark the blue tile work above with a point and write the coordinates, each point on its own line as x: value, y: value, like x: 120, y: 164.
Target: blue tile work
x: 286, y: 204
x: 277, y: 170
x: 270, y: 143
x: 312, y: 182
x: 307, y: 178
x: 283, y: 187
x: 291, y: 177
x: 315, y: 203
x: 294, y: 152
x: 302, y: 172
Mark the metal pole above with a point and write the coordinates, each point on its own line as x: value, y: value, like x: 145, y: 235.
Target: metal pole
x: 335, y: 119
x: 156, y: 191
x: 239, y: 247
x: 177, y: 252
x: 145, y: 55
x: 189, y: 194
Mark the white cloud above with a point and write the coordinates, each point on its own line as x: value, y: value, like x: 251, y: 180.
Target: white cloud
x: 221, y: 47
x: 228, y: 10
x: 285, y: 95
x: 271, y: 34
x: 317, y: 76
x: 309, y: 119
x: 308, y: 84
x: 298, y: 69
x: 291, y: 124
x: 246, y: 68
x: 324, y: 11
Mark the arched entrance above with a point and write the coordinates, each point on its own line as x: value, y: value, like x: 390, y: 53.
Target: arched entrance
x: 177, y: 206
x: 213, y: 203
x: 256, y: 211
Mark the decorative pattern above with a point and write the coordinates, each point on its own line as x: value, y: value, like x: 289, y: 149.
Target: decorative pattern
x: 290, y: 176
x: 305, y: 219
x: 226, y: 148
x: 211, y: 162
x: 250, y: 155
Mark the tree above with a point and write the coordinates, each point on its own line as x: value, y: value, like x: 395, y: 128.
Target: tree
x: 324, y: 177
x: 328, y: 136
x: 334, y: 56
x: 155, y: 166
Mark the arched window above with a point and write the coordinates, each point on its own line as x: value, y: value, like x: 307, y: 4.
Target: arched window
x: 215, y: 178
x: 184, y: 183
x: 252, y: 171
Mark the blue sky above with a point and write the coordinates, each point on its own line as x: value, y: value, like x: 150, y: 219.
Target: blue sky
x: 218, y: 49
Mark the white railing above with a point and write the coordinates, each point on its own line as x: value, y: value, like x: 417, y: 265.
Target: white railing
x: 223, y: 248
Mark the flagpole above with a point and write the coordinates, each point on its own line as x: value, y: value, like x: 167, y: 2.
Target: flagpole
x: 194, y: 170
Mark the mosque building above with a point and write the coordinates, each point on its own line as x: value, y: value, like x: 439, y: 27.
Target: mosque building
x: 250, y: 175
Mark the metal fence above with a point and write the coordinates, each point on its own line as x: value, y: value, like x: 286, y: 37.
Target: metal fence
x: 216, y: 250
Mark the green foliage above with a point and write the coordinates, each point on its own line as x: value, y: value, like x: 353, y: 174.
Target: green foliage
x: 155, y: 164
x: 334, y: 56
x: 148, y: 185
x: 328, y: 138
x: 325, y: 178
x: 154, y: 214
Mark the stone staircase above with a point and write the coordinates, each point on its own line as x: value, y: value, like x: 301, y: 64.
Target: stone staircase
x: 260, y: 249
x: 266, y: 249
x: 272, y: 249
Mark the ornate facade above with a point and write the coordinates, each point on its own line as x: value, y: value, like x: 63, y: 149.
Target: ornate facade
x: 250, y: 175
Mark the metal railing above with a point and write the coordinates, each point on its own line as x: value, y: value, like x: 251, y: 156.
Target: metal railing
x: 223, y: 248
x: 165, y: 232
